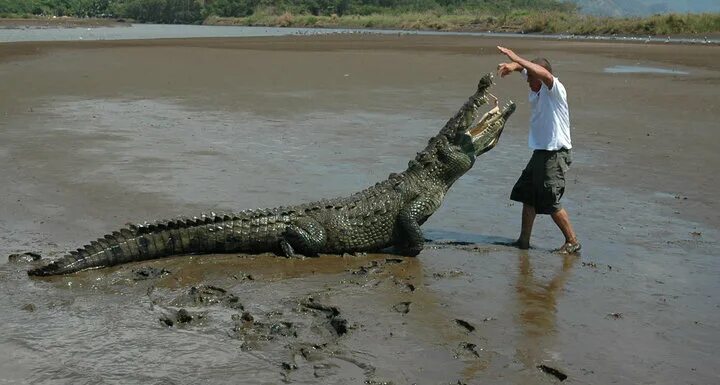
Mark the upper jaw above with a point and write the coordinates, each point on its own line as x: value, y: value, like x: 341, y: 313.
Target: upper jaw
x: 478, y: 136
x: 477, y: 100
x: 486, y: 133
x: 471, y: 109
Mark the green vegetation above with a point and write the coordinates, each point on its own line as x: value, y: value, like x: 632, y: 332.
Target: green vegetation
x: 184, y: 11
x: 157, y: 11
x: 551, y: 22
x: 531, y: 16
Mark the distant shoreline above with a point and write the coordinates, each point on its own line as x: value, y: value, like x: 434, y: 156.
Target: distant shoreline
x: 674, y: 25
x: 401, y: 23
x: 59, y: 22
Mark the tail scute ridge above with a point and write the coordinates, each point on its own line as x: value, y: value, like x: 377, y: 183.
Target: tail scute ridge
x: 138, y: 242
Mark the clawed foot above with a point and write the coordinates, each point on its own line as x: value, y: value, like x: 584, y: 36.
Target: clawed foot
x: 287, y: 249
x: 289, y: 252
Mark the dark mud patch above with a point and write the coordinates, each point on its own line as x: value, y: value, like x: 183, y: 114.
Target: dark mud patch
x: 376, y: 266
x: 480, y: 244
x: 310, y: 303
x: 26, y: 257
x: 404, y: 285
x: 255, y: 334
x: 305, y: 336
x: 465, y: 325
x: 243, y: 277
x: 452, y: 243
x: 467, y: 350
x: 340, y: 325
x: 402, y: 307
x: 307, y: 320
x: 553, y: 372
x: 183, y: 317
x: 448, y: 274
x: 206, y: 295
x: 145, y: 273
x: 337, y: 324
x: 597, y: 266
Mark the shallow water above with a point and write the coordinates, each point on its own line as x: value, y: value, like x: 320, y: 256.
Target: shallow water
x: 165, y: 31
x: 620, y: 69
x: 96, y: 141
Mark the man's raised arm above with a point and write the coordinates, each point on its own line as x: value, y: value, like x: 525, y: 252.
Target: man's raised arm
x: 518, y: 64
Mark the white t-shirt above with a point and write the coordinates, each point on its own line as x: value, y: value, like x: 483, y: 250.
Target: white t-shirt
x: 550, y: 118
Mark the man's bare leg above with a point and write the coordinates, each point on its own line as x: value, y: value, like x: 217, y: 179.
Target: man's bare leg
x: 562, y: 220
x: 528, y: 219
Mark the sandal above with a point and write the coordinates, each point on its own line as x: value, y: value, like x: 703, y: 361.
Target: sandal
x: 569, y: 248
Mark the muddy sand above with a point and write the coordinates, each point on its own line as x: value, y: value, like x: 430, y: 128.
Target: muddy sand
x: 97, y: 134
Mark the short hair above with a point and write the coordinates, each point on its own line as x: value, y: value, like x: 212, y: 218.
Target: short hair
x: 542, y: 62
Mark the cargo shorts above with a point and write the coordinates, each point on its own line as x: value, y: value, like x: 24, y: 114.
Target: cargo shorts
x: 542, y: 182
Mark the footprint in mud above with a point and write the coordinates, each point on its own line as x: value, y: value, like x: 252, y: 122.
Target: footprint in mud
x: 337, y: 324
x: 200, y: 296
x: 402, y: 307
x: 448, y: 274
x: 183, y: 317
x: 26, y: 257
x: 468, y: 351
x: 326, y: 362
x: 310, y: 320
x: 466, y: 325
x: 339, y: 366
x: 145, y: 273
x: 303, y: 334
x: 254, y: 334
x: 404, y: 286
x: 376, y: 266
x: 206, y: 295
x: 554, y: 372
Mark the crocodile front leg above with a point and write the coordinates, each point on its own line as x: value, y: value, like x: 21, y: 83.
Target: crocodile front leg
x: 305, y: 236
x: 409, y: 237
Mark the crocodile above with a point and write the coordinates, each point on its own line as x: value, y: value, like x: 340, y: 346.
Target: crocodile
x: 386, y: 215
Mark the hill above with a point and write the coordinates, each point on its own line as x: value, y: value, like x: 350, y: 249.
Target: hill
x: 624, y: 8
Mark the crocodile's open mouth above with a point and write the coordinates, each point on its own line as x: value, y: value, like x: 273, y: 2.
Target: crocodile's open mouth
x: 485, y: 134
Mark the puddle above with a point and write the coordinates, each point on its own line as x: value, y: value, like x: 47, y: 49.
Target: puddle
x: 642, y: 70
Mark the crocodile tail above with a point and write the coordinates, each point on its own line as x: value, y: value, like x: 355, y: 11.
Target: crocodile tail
x: 143, y: 242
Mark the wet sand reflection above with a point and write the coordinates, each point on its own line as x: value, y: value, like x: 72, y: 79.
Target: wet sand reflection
x: 538, y: 309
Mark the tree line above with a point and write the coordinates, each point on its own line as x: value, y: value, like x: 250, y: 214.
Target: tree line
x: 195, y: 11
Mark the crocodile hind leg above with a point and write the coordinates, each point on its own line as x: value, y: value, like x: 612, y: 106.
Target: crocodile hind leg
x: 305, y: 236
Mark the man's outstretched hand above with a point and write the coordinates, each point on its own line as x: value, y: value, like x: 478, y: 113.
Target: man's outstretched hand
x: 509, y: 53
x: 505, y: 69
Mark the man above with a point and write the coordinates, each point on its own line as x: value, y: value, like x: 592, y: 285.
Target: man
x: 542, y: 183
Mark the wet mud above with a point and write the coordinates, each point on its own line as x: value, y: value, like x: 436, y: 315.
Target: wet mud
x: 96, y: 135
